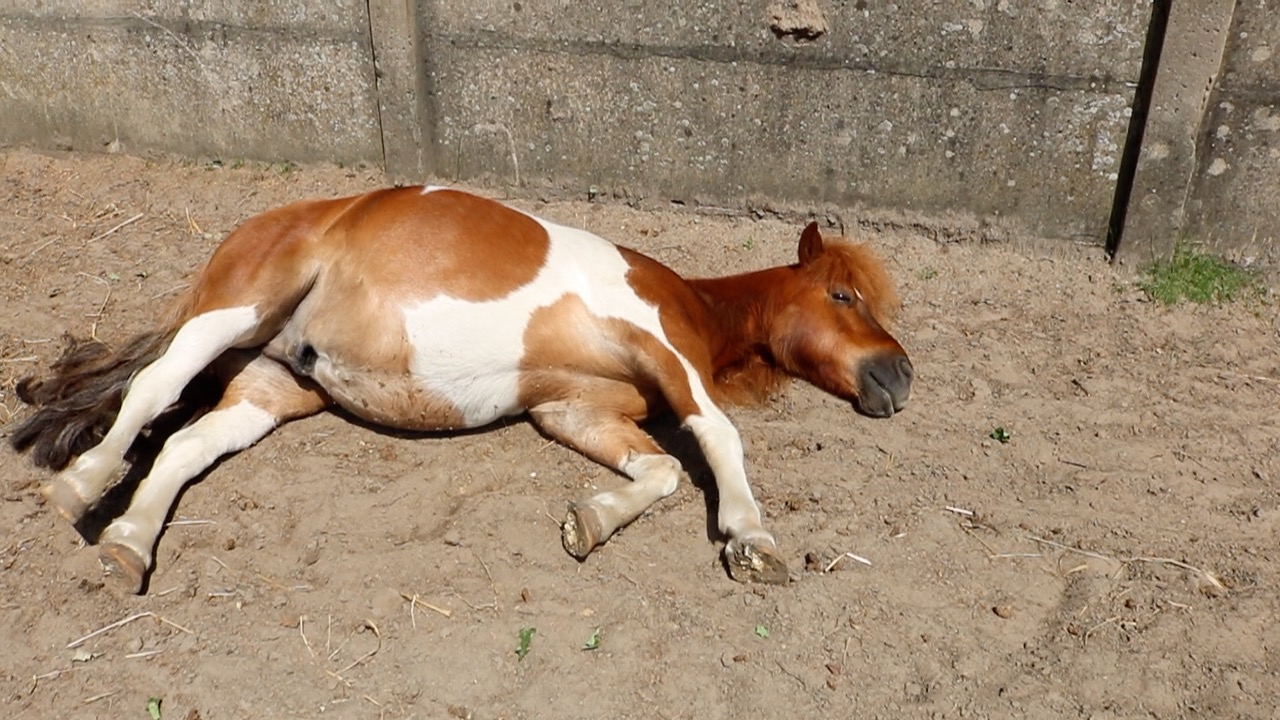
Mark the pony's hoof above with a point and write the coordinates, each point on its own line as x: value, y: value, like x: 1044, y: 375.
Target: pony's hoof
x: 65, y: 500
x: 753, y: 562
x: 581, y: 530
x: 124, y: 564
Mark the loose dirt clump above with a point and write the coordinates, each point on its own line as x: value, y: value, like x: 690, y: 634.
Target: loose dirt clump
x: 1111, y: 552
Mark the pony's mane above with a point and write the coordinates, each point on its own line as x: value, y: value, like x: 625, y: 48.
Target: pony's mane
x: 846, y: 261
x: 749, y: 382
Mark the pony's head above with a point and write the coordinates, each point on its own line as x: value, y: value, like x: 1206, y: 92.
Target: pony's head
x: 830, y: 326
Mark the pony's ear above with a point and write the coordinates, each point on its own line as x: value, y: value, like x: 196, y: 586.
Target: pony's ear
x: 810, y: 243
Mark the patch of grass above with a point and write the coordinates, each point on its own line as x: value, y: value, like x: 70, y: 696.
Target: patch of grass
x: 1195, y: 276
x: 927, y: 273
x: 526, y: 640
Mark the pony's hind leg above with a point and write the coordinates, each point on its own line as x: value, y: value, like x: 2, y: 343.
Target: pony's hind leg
x: 615, y: 441
x: 197, y: 343
x: 261, y: 395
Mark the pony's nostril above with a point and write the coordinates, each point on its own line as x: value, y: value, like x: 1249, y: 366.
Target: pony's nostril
x: 892, y: 373
x: 884, y: 376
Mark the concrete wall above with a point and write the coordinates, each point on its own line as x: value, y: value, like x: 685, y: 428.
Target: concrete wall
x: 999, y: 111
x: 227, y: 78
x: 1210, y: 166
x: 939, y: 107
x: 1234, y: 198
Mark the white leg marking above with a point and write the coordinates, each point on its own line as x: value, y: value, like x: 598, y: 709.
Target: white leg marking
x: 751, y: 551
x: 186, y: 454
x: 653, y: 477
x: 739, y: 515
x: 659, y: 472
x: 591, y: 523
x: 199, y: 342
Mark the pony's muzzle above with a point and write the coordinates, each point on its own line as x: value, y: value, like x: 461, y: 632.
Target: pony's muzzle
x: 884, y: 384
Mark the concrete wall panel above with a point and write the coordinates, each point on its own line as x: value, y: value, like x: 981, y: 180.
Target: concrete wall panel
x: 992, y: 109
x: 300, y: 15
x: 688, y: 130
x: 1051, y: 37
x: 1233, y: 200
x: 189, y: 84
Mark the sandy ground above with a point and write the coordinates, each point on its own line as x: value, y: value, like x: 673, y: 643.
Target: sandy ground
x: 1118, y: 557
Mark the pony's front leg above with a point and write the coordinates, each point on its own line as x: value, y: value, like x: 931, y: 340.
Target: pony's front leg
x: 751, y: 551
x: 262, y: 395
x: 615, y: 441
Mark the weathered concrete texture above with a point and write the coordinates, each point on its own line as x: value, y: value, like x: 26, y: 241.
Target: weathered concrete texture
x: 407, y: 121
x: 727, y: 133
x: 982, y: 108
x: 1100, y: 39
x: 1195, y: 41
x: 232, y: 79
x: 298, y: 14
x: 1235, y: 192
x: 1253, y: 54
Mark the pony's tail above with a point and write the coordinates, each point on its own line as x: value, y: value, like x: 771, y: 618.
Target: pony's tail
x: 78, y: 401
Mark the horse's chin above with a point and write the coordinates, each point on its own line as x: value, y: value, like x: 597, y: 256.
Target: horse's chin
x: 877, y: 410
x: 876, y: 407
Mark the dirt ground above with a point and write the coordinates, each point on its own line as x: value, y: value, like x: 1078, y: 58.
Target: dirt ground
x: 1117, y: 557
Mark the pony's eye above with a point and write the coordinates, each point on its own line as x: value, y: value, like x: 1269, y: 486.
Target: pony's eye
x: 841, y: 297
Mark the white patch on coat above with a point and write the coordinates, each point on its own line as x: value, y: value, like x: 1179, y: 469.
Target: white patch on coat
x: 470, y: 352
x: 186, y: 454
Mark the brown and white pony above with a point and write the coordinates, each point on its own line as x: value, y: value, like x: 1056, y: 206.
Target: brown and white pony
x: 433, y: 309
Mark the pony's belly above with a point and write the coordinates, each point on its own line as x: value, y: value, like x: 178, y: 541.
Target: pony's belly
x: 469, y: 354
x: 407, y: 401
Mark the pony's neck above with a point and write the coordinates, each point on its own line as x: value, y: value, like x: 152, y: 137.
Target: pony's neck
x: 741, y: 308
